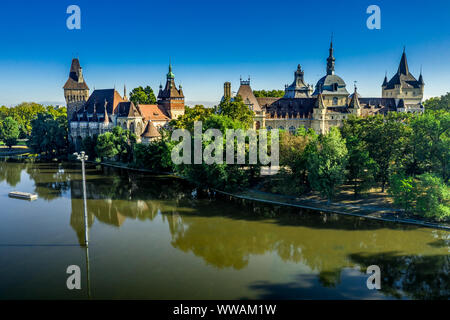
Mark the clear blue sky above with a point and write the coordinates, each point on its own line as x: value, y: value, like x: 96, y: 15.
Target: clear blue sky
x: 210, y: 42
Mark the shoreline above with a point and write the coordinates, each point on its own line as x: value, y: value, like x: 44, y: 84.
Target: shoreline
x: 336, y: 208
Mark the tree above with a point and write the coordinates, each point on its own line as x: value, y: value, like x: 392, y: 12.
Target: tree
x: 386, y: 138
x: 106, y: 146
x: 118, y: 142
x: 432, y: 197
x: 429, y: 144
x: 401, y: 188
x: 9, y: 131
x: 49, y: 133
x: 88, y: 145
x: 142, y: 95
x: 237, y: 110
x: 293, y: 155
x: 438, y: 103
x: 186, y: 121
x: 327, y: 159
x: 269, y: 93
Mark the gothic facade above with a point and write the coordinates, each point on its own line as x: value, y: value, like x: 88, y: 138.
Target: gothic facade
x: 104, y: 109
x: 330, y: 103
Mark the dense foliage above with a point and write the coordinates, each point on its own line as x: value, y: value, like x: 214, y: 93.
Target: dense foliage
x: 9, y: 131
x: 269, y: 93
x: 142, y: 95
x: 49, y: 132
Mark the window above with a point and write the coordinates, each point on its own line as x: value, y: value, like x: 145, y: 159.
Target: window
x: 281, y: 127
x: 269, y: 128
x: 335, y: 101
x: 291, y: 129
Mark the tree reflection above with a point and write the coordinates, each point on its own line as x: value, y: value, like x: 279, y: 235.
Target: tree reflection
x: 417, y: 276
x: 11, y: 171
x: 227, y: 235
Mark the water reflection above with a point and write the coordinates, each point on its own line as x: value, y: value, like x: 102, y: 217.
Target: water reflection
x: 228, y: 234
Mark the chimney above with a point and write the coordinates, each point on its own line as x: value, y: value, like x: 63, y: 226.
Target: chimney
x: 227, y: 90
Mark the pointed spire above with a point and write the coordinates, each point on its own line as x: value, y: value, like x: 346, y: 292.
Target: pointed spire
x: 354, y: 101
x: 170, y: 74
x: 420, y: 77
x: 403, y: 66
x: 124, y: 91
x: 331, y: 59
x: 385, y: 81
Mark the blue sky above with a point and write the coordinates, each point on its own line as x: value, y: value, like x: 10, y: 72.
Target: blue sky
x: 210, y: 42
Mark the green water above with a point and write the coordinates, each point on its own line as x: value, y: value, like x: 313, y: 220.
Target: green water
x: 158, y: 238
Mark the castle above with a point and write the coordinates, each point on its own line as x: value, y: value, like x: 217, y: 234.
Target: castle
x: 330, y: 103
x: 104, y: 109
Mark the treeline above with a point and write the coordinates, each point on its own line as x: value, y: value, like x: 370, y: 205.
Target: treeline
x: 120, y: 145
x: 44, y: 127
x: 269, y: 93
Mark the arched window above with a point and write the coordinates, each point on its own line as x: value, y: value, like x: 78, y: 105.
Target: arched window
x: 292, y: 130
x: 335, y: 101
x: 269, y: 128
x: 257, y: 125
x: 281, y: 127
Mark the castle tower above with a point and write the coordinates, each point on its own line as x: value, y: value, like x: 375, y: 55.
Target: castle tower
x: 227, y: 90
x: 403, y: 85
x: 76, y: 91
x: 299, y: 88
x: 171, y: 98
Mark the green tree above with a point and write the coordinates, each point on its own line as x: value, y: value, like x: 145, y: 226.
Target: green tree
x: 106, y: 146
x: 88, y: 145
x: 9, y: 131
x: 293, y: 156
x: 432, y: 197
x: 327, y: 159
x: 237, y: 110
x: 401, y: 188
x: 142, y: 95
x: 438, y: 103
x: 186, y: 121
x: 269, y: 93
x: 386, y: 138
x: 49, y: 133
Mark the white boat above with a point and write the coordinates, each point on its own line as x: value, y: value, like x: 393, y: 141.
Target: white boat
x: 23, y: 195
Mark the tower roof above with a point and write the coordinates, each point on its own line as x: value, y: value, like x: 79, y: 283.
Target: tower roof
x: 354, y: 100
x: 170, y: 90
x: 150, y: 131
x: 403, y: 77
x: 403, y: 66
x: 76, y: 80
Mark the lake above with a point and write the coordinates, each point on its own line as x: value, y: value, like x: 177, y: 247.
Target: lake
x: 156, y: 237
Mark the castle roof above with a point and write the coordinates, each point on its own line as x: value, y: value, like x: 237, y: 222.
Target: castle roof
x: 127, y: 109
x: 170, y: 90
x: 153, y: 112
x: 403, y: 77
x: 75, y: 80
x: 246, y: 93
x: 111, y: 96
x: 150, y: 131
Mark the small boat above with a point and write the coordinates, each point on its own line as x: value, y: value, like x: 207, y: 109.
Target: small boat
x: 23, y: 195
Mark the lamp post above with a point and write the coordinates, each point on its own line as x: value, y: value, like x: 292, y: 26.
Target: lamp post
x: 83, y: 157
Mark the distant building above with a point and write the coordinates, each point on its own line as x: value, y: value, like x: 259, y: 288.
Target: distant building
x: 330, y: 103
x: 104, y: 109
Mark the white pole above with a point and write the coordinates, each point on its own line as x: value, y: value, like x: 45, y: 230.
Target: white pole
x: 86, y: 233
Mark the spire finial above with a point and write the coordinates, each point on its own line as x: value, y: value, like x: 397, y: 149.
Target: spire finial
x: 125, y: 91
